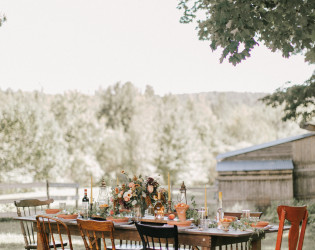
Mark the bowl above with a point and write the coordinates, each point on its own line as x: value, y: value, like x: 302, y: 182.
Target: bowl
x: 52, y: 211
x: 68, y: 216
x: 232, y: 218
x: 260, y: 224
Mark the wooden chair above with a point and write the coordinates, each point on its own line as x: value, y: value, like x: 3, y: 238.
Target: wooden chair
x: 45, y: 225
x: 95, y: 230
x: 30, y: 207
x: 239, y: 215
x: 158, y: 235
x: 296, y: 215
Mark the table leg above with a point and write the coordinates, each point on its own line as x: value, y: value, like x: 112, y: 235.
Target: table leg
x: 256, y: 244
x: 40, y: 243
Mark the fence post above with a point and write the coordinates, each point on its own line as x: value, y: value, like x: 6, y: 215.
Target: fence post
x: 47, y: 190
x: 77, y: 194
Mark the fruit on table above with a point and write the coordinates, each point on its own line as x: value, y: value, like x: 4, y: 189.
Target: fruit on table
x: 171, y: 216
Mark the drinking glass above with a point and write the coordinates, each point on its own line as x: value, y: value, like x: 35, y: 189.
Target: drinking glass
x: 246, y: 214
x: 62, y: 206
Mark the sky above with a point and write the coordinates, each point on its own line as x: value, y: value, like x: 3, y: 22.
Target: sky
x: 60, y: 45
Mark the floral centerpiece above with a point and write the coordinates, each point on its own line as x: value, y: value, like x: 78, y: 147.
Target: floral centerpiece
x: 136, y: 191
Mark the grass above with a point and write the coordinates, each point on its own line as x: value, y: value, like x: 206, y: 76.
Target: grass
x: 12, y: 239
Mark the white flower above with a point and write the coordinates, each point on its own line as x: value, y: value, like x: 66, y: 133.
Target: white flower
x: 144, y: 194
x: 119, y: 195
x: 134, y: 202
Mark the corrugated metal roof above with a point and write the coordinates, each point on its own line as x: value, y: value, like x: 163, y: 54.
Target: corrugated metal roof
x: 264, y: 145
x: 254, y: 165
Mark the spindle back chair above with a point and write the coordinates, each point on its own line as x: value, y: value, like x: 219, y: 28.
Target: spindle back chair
x: 45, y: 224
x: 94, y: 230
x: 158, y: 237
x: 30, y: 207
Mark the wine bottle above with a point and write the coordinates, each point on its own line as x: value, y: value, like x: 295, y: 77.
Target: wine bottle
x: 159, y: 208
x: 220, y: 213
x: 85, y: 204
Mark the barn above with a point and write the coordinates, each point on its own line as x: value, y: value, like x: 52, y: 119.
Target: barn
x: 275, y: 171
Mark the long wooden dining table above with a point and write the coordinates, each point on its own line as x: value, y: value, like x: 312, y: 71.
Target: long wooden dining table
x: 204, y: 239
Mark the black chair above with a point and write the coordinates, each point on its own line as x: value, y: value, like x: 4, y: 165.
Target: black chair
x: 158, y: 237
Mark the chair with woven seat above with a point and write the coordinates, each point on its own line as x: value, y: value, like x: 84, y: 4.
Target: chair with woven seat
x: 29, y: 207
x: 297, y: 216
x: 161, y: 236
x: 45, y: 224
x: 94, y: 230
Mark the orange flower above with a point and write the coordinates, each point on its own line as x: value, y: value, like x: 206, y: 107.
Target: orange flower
x: 116, y: 190
x: 122, y: 171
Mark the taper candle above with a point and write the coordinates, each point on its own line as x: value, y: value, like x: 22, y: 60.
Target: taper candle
x: 117, y: 181
x: 206, y: 212
x: 169, y: 187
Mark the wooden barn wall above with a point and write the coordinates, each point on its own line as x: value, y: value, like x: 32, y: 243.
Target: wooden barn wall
x: 255, y: 188
x: 303, y: 157
x: 278, y: 152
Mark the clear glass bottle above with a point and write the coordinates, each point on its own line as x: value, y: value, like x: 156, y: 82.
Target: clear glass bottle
x: 220, y: 212
x: 85, y: 205
x: 159, y: 208
x: 103, y: 196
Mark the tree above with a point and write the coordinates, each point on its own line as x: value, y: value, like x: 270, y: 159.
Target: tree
x: 238, y: 26
x: 298, y: 101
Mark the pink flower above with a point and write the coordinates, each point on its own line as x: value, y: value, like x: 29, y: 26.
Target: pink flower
x: 131, y: 184
x: 121, y: 192
x: 150, y: 188
x: 127, y: 198
x: 111, y: 199
x: 111, y: 212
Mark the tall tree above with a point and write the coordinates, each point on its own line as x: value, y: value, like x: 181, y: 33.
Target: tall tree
x: 298, y: 101
x: 238, y: 26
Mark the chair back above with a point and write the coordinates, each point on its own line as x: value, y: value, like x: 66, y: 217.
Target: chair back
x: 30, y: 207
x: 239, y: 214
x: 295, y: 215
x: 155, y: 237
x: 94, y: 230
x: 47, y: 227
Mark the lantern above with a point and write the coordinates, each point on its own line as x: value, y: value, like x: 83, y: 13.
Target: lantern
x: 183, y: 198
x: 103, y: 196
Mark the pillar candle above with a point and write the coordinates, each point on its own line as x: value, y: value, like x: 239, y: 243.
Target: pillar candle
x: 91, y: 189
x: 206, y: 212
x: 169, y: 187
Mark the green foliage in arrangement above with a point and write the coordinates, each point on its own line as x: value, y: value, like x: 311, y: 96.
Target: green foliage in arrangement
x: 238, y: 26
x: 3, y: 18
x: 298, y: 101
x: 71, y: 136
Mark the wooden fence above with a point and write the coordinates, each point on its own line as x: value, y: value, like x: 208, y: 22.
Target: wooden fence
x: 5, y: 187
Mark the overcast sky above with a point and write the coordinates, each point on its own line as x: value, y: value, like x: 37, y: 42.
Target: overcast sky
x: 58, y: 45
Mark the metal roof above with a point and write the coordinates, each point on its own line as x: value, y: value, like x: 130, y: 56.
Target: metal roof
x: 264, y: 145
x: 254, y: 165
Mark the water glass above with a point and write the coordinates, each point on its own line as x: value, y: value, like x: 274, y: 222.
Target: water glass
x: 204, y: 224
x: 202, y: 213
x: 62, y: 206
x: 246, y: 214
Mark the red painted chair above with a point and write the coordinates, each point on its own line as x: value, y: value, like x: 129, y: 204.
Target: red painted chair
x: 295, y: 215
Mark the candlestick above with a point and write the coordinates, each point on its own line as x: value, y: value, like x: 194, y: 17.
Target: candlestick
x: 169, y: 187
x: 91, y: 189
x: 206, y: 214
x: 169, y: 207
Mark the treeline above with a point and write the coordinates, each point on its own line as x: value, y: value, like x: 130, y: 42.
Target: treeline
x: 71, y: 136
